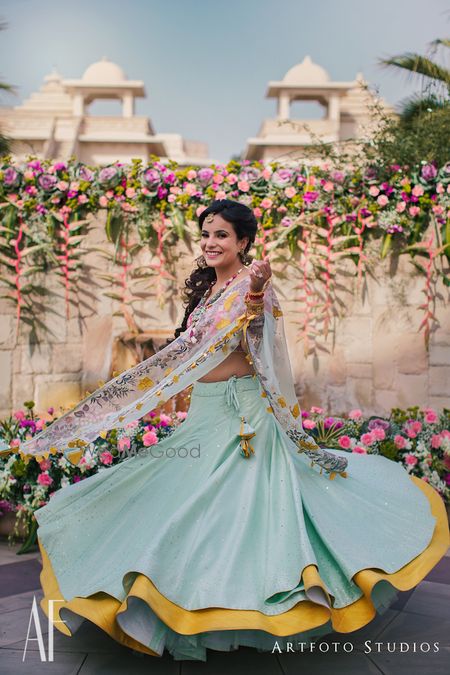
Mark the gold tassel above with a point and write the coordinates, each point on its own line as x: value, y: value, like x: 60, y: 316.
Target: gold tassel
x: 246, y: 433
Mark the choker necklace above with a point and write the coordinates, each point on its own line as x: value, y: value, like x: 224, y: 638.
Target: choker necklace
x: 203, y: 305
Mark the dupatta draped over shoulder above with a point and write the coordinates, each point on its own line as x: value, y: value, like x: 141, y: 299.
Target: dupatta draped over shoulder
x: 152, y: 382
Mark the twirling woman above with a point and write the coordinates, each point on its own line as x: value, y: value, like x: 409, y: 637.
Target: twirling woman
x: 237, y: 536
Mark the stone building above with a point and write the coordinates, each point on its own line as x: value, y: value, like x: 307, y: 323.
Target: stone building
x: 345, y: 106
x: 55, y: 122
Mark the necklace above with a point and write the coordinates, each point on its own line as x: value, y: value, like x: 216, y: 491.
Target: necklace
x: 203, y: 305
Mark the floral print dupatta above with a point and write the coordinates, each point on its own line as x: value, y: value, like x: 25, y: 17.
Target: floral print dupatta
x: 152, y: 382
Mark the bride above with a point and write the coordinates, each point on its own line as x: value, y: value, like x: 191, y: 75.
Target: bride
x: 249, y: 533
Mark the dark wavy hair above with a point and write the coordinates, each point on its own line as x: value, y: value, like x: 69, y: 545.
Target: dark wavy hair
x: 244, y: 224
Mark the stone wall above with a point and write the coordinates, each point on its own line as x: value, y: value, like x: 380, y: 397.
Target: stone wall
x: 373, y: 359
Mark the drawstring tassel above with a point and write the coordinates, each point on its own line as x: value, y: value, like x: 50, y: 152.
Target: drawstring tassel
x: 246, y: 433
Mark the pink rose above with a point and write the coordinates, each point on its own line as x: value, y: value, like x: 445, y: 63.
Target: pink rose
x: 40, y: 424
x: 382, y: 200
x: 345, y: 442
x: 218, y: 178
x: 290, y: 192
x: 124, y: 443
x: 378, y: 433
x: 257, y: 212
x: 191, y: 174
x: 82, y: 199
x: 19, y: 415
x: 309, y: 424
x: 417, y: 191
x: 15, y: 443
x: 199, y: 210
x: 45, y: 465
x: 103, y: 201
x: 315, y: 409
x: 266, y: 203
x: 130, y: 192
x: 355, y: 414
x: 360, y: 450
x: 401, y: 206
x: 436, y: 441
x: 328, y: 186
x: 131, y: 425
x: 231, y: 178
x: 400, y: 442
x: 62, y: 185
x: 437, y: 209
x: 221, y: 194
x: 410, y: 459
x: 266, y: 173
x: 430, y: 416
x: 414, y: 210
x: 106, y: 457
x: 150, y: 438
x: 44, y: 479
x: 374, y: 191
x: 243, y: 186
x: 190, y: 189
x: 165, y: 419
x: 181, y: 414
x: 368, y: 439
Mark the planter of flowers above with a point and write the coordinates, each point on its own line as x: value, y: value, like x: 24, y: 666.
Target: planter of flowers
x: 418, y: 438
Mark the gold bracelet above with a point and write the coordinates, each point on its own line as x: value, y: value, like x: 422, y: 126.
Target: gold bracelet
x: 247, y: 300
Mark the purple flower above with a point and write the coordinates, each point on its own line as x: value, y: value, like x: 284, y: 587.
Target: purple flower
x: 5, y: 507
x: 152, y: 178
x: 162, y: 192
x: 365, y: 212
x: 40, y: 208
x: 429, y: 172
x: 350, y: 217
x: 405, y: 197
x: 310, y: 196
x: 60, y: 166
x: 371, y: 174
x: 281, y: 177
x: 47, y: 182
x: 250, y: 175
x: 10, y: 177
x: 305, y: 413
x: 35, y: 164
x: 380, y: 423
x: 447, y: 167
x: 205, y: 176
x: 170, y: 178
x: 109, y: 176
x: 85, y: 174
x: 338, y: 176
x: 286, y: 222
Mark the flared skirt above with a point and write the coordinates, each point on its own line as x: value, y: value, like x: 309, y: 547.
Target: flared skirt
x: 190, y: 545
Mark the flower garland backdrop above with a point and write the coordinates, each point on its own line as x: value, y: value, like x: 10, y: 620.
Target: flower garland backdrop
x: 315, y: 219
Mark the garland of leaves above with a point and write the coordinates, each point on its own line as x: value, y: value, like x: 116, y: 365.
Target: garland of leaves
x: 311, y: 218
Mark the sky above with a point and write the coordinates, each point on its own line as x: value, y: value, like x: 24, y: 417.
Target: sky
x: 206, y: 63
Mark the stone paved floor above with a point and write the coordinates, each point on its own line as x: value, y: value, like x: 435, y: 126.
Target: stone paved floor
x: 420, y: 617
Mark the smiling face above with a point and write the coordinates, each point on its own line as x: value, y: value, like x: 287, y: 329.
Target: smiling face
x: 219, y: 243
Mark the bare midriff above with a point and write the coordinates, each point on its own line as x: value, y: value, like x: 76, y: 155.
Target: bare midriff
x: 234, y: 364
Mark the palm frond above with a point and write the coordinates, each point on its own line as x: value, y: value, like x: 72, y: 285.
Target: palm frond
x: 417, y: 64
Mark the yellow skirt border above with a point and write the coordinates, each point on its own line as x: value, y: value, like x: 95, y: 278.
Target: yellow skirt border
x: 102, y: 609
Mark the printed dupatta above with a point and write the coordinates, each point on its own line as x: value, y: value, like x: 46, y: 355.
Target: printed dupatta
x: 152, y: 382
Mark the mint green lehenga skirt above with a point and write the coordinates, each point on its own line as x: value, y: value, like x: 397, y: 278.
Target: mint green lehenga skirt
x: 194, y: 546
